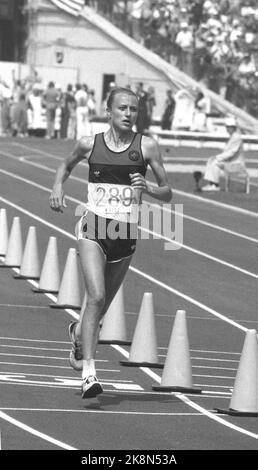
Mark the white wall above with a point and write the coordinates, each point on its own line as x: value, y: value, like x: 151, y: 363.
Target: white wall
x: 88, y: 54
x: 7, y: 69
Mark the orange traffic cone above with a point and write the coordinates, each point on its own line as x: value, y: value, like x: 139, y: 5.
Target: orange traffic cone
x: 13, y: 255
x: 30, y: 260
x: 244, y: 400
x: 49, y: 277
x: 113, y: 328
x: 3, y: 232
x: 69, y: 291
x: 143, y: 352
x: 177, y: 373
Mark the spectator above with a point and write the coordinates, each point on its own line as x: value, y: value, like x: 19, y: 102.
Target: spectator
x: 51, y: 101
x: 68, y: 107
x: 21, y: 117
x: 235, y: 23
x: 82, y: 111
x: 136, y: 19
x: 184, y: 110
x: 14, y: 104
x: 202, y: 109
x: 35, y: 107
x: 167, y: 116
x: 196, y: 10
x: 91, y: 104
x: 184, y: 40
x: 143, y: 118
x: 151, y: 102
x: 233, y: 152
x: 5, y: 99
x: 247, y: 66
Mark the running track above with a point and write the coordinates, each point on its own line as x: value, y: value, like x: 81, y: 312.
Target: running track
x: 213, y: 277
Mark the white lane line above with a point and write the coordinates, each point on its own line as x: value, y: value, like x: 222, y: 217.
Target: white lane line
x: 216, y: 418
x: 34, y: 340
x: 183, y: 158
x: 56, y: 382
x: 144, y: 393
x: 215, y: 352
x: 189, y: 402
x: 107, y: 412
x: 214, y: 376
x: 214, y: 368
x: 23, y: 306
x: 208, y: 351
x: 213, y: 359
x: 33, y: 347
x: 187, y: 217
x: 73, y: 386
x: 178, y: 167
x: 210, y: 225
x: 43, y: 349
x: 32, y: 356
x: 58, y: 376
x: 187, y: 298
x: 133, y: 269
x: 193, y: 317
x: 201, y: 253
x: 33, y: 149
x: 155, y: 234
x: 216, y: 203
x: 39, y: 365
x: 33, y: 431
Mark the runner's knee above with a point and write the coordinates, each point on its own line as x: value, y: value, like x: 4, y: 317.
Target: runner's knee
x: 96, y: 299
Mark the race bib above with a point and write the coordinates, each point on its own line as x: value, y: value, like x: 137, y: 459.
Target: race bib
x: 111, y: 199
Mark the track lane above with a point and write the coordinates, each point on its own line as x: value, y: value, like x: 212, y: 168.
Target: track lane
x: 137, y: 372
x: 225, y: 245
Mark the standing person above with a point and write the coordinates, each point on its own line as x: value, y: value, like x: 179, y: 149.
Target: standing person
x: 202, y: 109
x: 22, y: 116
x: 5, y: 100
x: 35, y: 107
x: 233, y: 152
x: 167, y: 116
x: 51, y: 101
x: 68, y: 105
x: 151, y: 103
x: 118, y: 160
x: 82, y: 111
x: 185, y: 41
x: 184, y: 109
x: 142, y: 121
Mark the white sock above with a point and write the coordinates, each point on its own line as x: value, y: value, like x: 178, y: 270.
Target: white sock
x: 88, y: 368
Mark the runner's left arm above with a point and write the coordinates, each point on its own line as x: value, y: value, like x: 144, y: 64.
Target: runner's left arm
x: 152, y: 156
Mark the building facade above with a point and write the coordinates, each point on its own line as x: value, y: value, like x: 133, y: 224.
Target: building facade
x: 86, y: 48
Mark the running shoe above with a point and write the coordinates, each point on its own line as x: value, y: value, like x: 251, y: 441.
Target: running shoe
x: 76, y: 354
x: 91, y: 387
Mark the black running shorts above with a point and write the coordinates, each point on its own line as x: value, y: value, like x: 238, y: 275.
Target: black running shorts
x: 116, y: 239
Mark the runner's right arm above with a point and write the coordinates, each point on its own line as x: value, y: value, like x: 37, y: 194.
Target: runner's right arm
x: 81, y: 151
